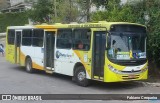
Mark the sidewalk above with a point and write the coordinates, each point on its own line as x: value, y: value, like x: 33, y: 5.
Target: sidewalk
x: 153, y: 80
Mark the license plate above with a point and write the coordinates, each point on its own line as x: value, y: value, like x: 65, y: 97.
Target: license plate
x: 131, y: 76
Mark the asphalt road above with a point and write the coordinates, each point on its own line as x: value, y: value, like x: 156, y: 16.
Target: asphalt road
x: 15, y: 80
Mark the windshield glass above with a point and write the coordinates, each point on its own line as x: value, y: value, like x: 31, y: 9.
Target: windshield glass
x: 126, y: 46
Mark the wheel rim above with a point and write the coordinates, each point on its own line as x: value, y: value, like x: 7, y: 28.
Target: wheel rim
x: 28, y: 65
x: 81, y: 76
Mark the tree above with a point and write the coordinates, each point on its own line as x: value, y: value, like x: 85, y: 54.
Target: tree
x: 67, y: 11
x: 41, y: 11
x: 52, y: 11
x: 100, y: 2
x: 114, y: 12
x: 153, y: 25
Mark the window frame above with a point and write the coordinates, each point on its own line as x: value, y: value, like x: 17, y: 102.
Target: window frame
x: 37, y: 37
x: 27, y: 37
x: 9, y: 37
x: 82, y: 39
x: 59, y: 38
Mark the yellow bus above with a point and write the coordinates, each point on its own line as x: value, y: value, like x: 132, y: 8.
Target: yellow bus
x: 102, y: 51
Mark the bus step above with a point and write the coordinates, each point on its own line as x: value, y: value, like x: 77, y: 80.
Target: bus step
x: 49, y: 71
x: 98, y: 78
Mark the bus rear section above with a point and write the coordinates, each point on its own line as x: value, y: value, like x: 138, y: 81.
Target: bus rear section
x: 31, y: 46
x: 13, y: 41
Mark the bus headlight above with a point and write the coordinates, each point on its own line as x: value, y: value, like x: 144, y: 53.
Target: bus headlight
x: 113, y: 69
x: 144, y: 69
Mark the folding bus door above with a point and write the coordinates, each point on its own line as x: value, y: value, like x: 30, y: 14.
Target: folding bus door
x: 99, y: 46
x: 49, y: 49
x: 17, y: 46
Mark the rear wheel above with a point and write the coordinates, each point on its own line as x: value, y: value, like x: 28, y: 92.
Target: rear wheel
x: 29, y: 65
x: 80, y: 77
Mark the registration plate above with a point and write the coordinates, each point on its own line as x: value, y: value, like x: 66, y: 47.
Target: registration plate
x: 131, y: 76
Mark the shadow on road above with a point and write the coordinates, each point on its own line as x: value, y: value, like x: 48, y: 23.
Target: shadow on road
x: 117, y: 85
x: 19, y: 68
x: 94, y: 84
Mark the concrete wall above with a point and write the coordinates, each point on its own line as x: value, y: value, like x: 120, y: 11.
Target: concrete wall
x: 2, y: 34
x: 14, y: 2
x: 4, y: 4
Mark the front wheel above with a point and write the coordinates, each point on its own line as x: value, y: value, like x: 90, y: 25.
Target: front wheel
x: 29, y: 65
x: 80, y: 77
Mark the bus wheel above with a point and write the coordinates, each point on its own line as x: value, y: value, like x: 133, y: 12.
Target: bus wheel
x: 29, y: 65
x: 80, y: 77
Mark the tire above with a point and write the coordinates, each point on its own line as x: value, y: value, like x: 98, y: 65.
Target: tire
x: 28, y: 65
x: 80, y: 77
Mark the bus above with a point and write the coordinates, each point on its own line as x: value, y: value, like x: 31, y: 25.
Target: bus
x: 102, y: 51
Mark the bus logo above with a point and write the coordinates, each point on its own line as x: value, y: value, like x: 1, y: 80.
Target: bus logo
x: 132, y: 70
x: 59, y: 54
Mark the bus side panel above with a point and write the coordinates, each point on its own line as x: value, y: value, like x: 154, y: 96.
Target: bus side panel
x: 29, y: 51
x: 26, y: 51
x: 38, y: 58
x: 65, y: 61
x: 10, y: 53
x: 85, y: 59
x: 22, y: 58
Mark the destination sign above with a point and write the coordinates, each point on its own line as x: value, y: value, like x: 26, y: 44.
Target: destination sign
x: 85, y: 25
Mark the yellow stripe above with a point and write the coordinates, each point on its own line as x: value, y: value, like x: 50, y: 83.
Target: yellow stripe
x: 131, y: 56
x: 34, y: 65
x: 81, y: 59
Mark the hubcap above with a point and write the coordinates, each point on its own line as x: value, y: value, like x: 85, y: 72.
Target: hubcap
x: 28, y: 65
x: 81, y: 76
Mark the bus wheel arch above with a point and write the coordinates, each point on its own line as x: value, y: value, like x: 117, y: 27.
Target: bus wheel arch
x: 79, y: 75
x: 28, y: 64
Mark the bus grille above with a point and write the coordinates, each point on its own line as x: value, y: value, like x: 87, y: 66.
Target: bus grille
x: 128, y: 77
x: 131, y: 71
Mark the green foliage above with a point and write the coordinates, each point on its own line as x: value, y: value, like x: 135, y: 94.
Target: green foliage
x: 154, y: 30
x: 115, y: 13
x: 52, y: 11
x: 67, y: 11
x: 41, y: 11
x: 100, y: 2
x: 12, y: 19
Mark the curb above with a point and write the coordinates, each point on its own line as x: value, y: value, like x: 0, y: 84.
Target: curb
x: 151, y: 84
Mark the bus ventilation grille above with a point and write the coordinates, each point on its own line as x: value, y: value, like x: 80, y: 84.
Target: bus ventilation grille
x: 137, y: 71
x: 128, y: 77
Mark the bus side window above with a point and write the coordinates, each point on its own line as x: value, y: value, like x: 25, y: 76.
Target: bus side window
x: 27, y: 37
x: 37, y: 39
x: 81, y: 39
x: 11, y: 36
x: 64, y: 38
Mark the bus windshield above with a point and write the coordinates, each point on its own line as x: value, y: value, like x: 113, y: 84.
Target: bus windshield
x: 127, y: 46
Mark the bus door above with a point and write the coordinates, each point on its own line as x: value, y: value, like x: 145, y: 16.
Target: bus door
x: 99, y: 46
x: 49, y: 50
x: 17, y: 46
